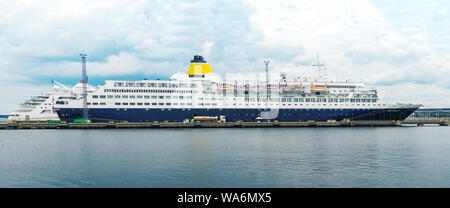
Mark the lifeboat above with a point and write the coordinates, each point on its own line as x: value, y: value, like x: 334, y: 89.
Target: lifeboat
x: 271, y: 86
x: 224, y: 85
x: 319, y: 88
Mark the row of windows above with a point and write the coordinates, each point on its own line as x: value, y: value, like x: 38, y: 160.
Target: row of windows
x: 150, y: 91
x: 341, y: 100
x: 246, y: 99
x: 320, y: 104
x: 340, y: 86
x: 96, y: 103
x: 185, y: 85
x: 189, y: 91
x: 140, y: 97
x: 160, y: 104
x: 166, y: 104
x: 215, y: 104
x: 141, y: 84
x: 366, y: 96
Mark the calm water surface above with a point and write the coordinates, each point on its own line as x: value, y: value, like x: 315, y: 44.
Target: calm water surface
x: 272, y: 157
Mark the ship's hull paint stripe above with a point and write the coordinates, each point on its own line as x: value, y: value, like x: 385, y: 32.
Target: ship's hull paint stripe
x: 179, y: 115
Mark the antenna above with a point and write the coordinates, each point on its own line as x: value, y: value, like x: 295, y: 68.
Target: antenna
x: 61, y: 85
x: 266, y: 62
x: 84, y: 82
x: 319, y: 66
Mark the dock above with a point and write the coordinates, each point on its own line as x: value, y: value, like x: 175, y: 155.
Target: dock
x: 238, y: 124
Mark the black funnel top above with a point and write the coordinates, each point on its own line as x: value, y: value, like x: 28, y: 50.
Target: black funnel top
x: 198, y: 59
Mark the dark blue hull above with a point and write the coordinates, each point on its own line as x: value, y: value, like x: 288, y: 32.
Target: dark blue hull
x: 179, y: 115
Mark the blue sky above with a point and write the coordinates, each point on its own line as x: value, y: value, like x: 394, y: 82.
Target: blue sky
x: 400, y: 47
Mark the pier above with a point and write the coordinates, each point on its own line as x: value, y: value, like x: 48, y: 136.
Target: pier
x: 430, y: 114
x: 239, y: 124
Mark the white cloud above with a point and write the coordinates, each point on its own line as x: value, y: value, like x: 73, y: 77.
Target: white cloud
x: 122, y: 64
x: 15, y: 93
x: 206, y: 48
x: 428, y: 95
x: 356, y: 39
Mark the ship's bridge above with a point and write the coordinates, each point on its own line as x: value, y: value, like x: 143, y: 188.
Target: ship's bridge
x: 198, y: 67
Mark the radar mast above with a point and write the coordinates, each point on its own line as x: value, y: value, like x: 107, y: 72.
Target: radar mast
x: 320, y: 67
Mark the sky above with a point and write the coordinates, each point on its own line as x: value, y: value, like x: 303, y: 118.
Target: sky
x: 400, y: 47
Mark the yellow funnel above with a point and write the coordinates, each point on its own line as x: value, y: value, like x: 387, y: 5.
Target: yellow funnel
x: 198, y: 66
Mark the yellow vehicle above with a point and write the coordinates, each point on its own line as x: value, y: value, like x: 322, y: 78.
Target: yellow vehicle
x: 220, y: 119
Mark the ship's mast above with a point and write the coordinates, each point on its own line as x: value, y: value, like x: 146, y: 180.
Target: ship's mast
x: 320, y: 67
x: 84, y: 82
x: 266, y: 62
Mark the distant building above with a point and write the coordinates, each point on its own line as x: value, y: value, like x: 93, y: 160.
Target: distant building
x: 433, y: 113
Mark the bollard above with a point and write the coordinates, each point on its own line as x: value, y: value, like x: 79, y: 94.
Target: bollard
x: 276, y: 123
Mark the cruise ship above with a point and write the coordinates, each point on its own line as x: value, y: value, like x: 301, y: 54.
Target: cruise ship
x: 199, y: 92
x: 40, y: 107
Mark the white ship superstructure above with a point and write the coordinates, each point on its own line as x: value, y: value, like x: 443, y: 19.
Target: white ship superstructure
x: 41, y: 107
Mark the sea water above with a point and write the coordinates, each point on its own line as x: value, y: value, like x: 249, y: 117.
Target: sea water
x: 237, y: 157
